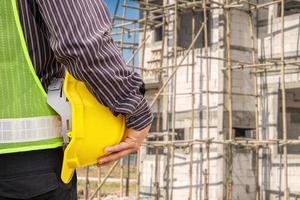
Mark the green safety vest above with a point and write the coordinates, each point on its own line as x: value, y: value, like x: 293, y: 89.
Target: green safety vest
x: 26, y: 121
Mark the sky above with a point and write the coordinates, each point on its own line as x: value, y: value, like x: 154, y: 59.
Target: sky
x: 111, y: 4
x: 130, y: 14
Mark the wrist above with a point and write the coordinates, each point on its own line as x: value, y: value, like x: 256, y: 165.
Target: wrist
x: 141, y: 118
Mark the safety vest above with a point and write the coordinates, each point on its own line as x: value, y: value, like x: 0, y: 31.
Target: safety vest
x: 26, y: 121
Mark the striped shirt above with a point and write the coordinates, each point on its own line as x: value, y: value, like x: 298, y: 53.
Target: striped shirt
x: 75, y: 35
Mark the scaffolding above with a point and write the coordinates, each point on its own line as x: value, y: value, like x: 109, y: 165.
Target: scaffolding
x: 161, y: 73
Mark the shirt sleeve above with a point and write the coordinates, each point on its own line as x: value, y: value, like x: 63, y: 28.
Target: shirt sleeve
x: 79, y: 35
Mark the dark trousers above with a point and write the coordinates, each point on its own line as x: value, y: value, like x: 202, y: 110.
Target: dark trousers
x: 34, y: 175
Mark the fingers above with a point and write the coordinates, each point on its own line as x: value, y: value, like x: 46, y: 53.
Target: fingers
x: 119, y: 147
x: 131, y: 143
x: 103, y: 164
x: 115, y: 156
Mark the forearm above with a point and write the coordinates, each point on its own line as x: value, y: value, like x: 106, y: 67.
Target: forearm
x: 79, y: 35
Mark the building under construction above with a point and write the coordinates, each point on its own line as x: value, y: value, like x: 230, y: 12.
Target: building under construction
x: 223, y: 80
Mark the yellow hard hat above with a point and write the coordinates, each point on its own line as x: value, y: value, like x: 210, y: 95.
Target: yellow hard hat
x: 94, y: 127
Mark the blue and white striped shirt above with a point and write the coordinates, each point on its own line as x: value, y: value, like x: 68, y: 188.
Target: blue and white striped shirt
x: 75, y: 35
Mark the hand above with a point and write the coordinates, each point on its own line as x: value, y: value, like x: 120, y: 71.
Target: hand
x: 131, y: 143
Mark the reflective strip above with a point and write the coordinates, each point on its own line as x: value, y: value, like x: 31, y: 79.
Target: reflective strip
x: 29, y: 129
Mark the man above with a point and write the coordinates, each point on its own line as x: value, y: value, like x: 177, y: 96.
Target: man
x: 51, y: 36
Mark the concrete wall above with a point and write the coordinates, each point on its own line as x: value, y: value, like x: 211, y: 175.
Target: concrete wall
x: 269, y: 43
x: 271, y: 162
x: 243, y: 174
x: 243, y: 105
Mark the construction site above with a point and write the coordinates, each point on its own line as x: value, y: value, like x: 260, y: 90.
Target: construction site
x: 223, y: 80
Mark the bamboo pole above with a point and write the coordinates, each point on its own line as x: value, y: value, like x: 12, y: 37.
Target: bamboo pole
x: 158, y: 125
x: 128, y: 176
x: 99, y: 182
x: 237, y: 142
x: 174, y: 88
x: 87, y: 182
x: 229, y: 97
x: 257, y: 184
x: 205, y: 92
x: 192, y: 131
x: 138, y: 168
x: 205, y: 182
x: 263, y: 66
x: 166, y: 103
x: 207, y: 99
x: 104, y: 179
x: 138, y: 174
x: 143, y: 39
x: 283, y: 92
x: 157, y: 156
x: 122, y: 159
x: 266, y: 4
